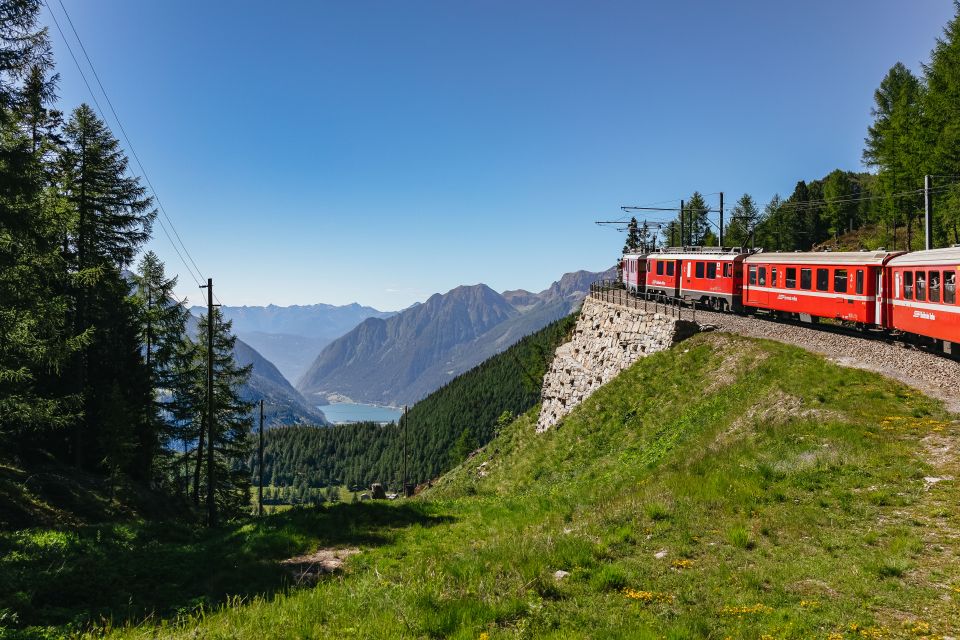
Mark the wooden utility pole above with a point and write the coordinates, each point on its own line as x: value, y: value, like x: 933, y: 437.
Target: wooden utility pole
x: 404, y: 419
x: 720, y: 243
x: 211, y: 503
x: 927, y: 213
x: 260, y: 465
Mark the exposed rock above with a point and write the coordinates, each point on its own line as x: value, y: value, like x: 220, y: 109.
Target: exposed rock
x: 560, y: 574
x: 608, y: 338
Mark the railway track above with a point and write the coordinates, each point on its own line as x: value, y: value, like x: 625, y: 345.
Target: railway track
x: 934, y: 374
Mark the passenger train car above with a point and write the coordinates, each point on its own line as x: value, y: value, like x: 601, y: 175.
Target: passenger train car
x: 910, y: 293
x: 923, y: 294
x: 844, y: 286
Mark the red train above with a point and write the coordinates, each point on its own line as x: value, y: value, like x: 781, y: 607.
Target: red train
x: 910, y: 293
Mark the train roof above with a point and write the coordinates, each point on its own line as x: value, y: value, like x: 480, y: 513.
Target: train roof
x: 950, y: 255
x: 855, y: 258
x: 705, y: 256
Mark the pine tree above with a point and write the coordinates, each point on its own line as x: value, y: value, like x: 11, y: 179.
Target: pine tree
x: 743, y: 221
x: 233, y: 421
x: 162, y: 326
x: 697, y: 228
x: 111, y: 217
x: 633, y: 242
x: 35, y: 337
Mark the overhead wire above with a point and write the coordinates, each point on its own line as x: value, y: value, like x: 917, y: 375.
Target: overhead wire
x: 195, y: 272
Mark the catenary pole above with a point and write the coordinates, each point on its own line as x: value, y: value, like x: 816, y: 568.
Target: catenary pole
x: 720, y: 243
x: 683, y: 235
x: 927, y: 213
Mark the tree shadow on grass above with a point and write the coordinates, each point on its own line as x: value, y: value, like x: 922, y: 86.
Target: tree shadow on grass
x: 126, y: 573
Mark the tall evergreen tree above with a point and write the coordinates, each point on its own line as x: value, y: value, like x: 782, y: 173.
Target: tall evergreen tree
x: 743, y: 221
x: 162, y: 326
x: 35, y: 339
x: 697, y: 227
x: 233, y: 421
x: 633, y: 242
x: 941, y: 132
x: 840, y: 190
x: 892, y: 145
x: 111, y: 217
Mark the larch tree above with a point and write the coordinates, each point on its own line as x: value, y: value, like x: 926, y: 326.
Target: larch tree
x: 891, y: 145
x: 941, y: 130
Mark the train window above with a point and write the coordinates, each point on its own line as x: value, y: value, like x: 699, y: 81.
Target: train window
x: 753, y: 275
x: 791, y: 279
x: 921, y: 285
x: 859, y: 282
x: 806, y: 278
x: 949, y: 287
x: 712, y: 270
x: 908, y: 285
x: 670, y: 268
x: 823, y: 279
x: 933, y: 277
x: 727, y: 270
x: 840, y: 280
x: 773, y: 276
x: 699, y: 269
x: 763, y: 276
x: 659, y: 268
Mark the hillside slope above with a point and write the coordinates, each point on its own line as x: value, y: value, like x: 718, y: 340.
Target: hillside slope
x: 467, y: 409
x: 728, y: 487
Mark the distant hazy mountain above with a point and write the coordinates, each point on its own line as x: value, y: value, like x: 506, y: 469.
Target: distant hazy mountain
x: 291, y: 337
x: 405, y: 357
x: 283, y: 405
x: 312, y: 321
x: 291, y: 354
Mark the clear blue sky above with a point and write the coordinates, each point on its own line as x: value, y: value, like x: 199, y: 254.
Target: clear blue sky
x: 379, y: 152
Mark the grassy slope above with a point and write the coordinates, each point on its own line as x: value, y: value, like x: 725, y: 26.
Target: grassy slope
x: 784, y: 496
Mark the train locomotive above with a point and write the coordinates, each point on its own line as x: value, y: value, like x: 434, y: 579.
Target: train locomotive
x: 911, y: 294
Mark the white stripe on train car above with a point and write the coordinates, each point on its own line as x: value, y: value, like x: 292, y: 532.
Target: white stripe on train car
x: 928, y: 306
x: 709, y: 293
x: 807, y: 292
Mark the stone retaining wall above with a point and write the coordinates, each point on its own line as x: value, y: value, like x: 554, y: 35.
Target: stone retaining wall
x: 608, y: 338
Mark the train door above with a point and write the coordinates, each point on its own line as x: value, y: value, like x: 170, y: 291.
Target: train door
x: 878, y: 308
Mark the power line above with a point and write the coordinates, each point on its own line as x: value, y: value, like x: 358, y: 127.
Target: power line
x: 198, y: 274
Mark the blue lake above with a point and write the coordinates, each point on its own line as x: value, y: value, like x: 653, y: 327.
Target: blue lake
x: 342, y: 412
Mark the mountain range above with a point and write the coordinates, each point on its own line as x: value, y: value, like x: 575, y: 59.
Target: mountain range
x: 291, y: 337
x: 402, y: 358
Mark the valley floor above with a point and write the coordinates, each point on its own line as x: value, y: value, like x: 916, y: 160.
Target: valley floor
x: 728, y: 487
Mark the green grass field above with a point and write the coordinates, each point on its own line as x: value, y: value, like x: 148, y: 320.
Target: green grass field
x: 727, y: 488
